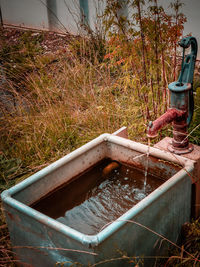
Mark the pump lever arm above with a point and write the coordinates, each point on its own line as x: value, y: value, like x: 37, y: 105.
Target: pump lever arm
x: 187, y: 70
x: 188, y: 61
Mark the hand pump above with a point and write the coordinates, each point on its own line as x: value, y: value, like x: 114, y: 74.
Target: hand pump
x: 181, y: 102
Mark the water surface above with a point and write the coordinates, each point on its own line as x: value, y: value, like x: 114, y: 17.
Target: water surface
x: 97, y: 197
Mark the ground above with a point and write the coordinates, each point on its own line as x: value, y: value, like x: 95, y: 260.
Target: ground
x: 51, y: 41
x: 55, y: 44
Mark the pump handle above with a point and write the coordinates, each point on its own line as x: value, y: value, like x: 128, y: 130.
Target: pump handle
x: 187, y: 69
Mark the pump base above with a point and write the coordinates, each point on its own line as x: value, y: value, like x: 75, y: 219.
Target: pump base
x: 174, y: 150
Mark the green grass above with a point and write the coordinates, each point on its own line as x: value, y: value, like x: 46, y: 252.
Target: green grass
x: 61, y: 101
x: 61, y: 106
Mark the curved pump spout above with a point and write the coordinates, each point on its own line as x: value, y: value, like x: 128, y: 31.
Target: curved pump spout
x: 181, y: 102
x: 171, y: 115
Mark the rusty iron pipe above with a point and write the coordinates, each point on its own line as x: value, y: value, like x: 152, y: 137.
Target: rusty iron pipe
x: 181, y: 103
x: 169, y: 116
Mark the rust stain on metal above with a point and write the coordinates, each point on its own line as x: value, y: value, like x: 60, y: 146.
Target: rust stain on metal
x: 20, y: 224
x: 180, y: 143
x: 195, y: 177
x: 163, y: 120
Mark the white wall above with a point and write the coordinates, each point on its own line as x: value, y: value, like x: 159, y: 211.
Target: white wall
x: 28, y: 13
x: 68, y: 13
x: 34, y: 14
x: 96, y: 7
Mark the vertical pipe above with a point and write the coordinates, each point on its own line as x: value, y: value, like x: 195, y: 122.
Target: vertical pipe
x: 1, y: 19
x: 84, y: 11
x: 52, y: 14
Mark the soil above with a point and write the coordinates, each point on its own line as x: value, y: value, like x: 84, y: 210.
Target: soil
x: 50, y: 41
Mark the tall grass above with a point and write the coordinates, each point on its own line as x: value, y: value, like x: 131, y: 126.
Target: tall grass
x: 63, y: 102
x: 52, y: 103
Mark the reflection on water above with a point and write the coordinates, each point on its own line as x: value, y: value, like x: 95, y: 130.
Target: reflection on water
x: 95, y: 199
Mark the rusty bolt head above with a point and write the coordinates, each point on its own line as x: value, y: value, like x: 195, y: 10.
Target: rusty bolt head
x: 150, y: 124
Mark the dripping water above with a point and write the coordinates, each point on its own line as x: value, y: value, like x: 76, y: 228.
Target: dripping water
x: 146, y: 166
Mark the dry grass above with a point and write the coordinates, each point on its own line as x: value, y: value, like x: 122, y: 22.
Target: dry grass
x: 55, y: 103
x: 52, y: 104
x: 63, y: 106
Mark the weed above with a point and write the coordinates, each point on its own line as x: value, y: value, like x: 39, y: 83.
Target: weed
x: 52, y: 103
x: 190, y: 242
x: 195, y: 125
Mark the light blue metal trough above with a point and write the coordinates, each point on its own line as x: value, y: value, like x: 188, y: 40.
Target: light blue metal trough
x: 39, y: 240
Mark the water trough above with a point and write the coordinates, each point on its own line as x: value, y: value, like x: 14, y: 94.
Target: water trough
x: 41, y: 240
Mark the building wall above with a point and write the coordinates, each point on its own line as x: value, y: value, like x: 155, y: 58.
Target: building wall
x: 65, y: 15
x: 68, y: 16
x: 57, y: 15
x: 27, y: 13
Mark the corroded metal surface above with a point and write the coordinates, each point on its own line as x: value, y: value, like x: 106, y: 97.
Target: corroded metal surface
x: 40, y: 240
x: 195, y: 177
x: 163, y: 120
x: 181, y: 102
x: 122, y: 132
